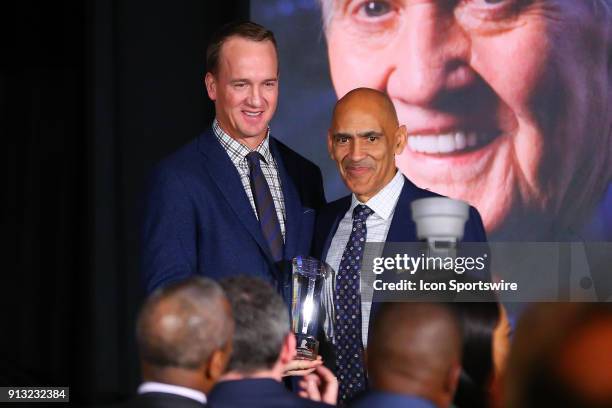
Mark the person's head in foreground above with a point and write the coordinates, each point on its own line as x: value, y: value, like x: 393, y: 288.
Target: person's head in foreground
x: 263, y: 343
x: 414, y: 351
x: 485, y: 337
x: 242, y: 80
x: 363, y: 139
x: 561, y: 356
x: 184, y: 334
x: 506, y: 103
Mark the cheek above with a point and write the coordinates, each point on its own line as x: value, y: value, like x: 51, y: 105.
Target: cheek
x: 514, y: 65
x: 271, y: 96
x: 519, y: 68
x: 232, y: 98
x: 338, y: 154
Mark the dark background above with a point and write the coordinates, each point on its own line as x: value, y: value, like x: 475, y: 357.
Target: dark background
x: 92, y: 93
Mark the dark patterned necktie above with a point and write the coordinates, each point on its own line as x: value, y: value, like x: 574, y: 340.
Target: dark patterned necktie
x: 349, y: 345
x: 264, y: 204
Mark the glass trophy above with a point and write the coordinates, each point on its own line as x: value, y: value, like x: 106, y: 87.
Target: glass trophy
x: 308, y: 277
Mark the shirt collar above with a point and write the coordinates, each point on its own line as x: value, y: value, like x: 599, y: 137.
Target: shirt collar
x: 383, y: 203
x: 240, y: 151
x: 152, y: 386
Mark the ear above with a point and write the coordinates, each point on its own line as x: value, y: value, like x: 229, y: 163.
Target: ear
x: 401, y: 135
x: 217, y: 364
x: 211, y: 86
x: 288, y: 350
x: 330, y: 144
x: 453, y: 379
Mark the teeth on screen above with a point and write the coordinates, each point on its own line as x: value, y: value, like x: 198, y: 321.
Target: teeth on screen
x: 446, y: 143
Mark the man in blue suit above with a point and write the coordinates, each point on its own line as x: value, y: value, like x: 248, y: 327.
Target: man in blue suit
x: 262, y: 346
x: 363, y: 139
x: 234, y: 200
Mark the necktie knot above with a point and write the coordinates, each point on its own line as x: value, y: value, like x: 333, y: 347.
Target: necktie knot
x: 254, y: 159
x: 361, y: 213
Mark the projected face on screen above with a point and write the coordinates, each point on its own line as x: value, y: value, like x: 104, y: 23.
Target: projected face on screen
x: 506, y: 102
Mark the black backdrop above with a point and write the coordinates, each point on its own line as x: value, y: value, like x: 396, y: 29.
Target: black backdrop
x: 92, y: 93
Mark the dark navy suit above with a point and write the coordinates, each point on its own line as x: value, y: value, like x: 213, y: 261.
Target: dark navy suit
x: 402, y: 229
x: 159, y: 400
x: 257, y: 392
x: 199, y: 221
x: 389, y: 400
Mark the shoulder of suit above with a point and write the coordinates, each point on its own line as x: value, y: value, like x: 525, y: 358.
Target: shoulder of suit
x: 184, y: 167
x: 418, y: 192
x: 337, y: 206
x: 181, y: 156
x: 291, y: 156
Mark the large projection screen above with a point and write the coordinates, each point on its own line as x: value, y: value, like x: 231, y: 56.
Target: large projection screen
x: 506, y: 103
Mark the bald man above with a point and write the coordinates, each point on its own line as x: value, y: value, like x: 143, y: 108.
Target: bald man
x: 184, y: 333
x: 414, y: 357
x: 363, y: 140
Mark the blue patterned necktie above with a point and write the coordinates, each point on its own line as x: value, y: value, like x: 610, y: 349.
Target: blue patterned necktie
x: 264, y: 204
x: 347, y: 300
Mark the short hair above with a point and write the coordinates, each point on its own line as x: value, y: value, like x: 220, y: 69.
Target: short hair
x: 183, y: 323
x: 262, y: 324
x: 243, y: 29
x: 433, y: 334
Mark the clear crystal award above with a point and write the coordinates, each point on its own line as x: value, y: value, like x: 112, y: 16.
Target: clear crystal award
x: 308, y: 277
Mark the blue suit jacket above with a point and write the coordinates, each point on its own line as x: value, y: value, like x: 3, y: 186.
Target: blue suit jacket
x: 402, y: 229
x: 390, y: 400
x: 261, y: 392
x: 198, y: 219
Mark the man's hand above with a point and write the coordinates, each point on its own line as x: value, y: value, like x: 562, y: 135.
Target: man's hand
x: 302, y: 367
x: 321, y: 386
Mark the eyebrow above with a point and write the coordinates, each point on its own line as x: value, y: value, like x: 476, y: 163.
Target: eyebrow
x: 249, y: 81
x: 365, y: 133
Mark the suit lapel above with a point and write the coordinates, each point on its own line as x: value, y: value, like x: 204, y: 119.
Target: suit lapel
x: 402, y: 228
x: 343, y: 207
x: 293, y: 206
x: 227, y: 179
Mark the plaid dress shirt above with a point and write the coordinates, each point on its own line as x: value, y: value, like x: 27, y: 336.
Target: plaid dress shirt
x: 237, y: 153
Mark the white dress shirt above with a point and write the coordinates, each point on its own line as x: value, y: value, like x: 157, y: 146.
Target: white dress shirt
x: 377, y: 225
x: 151, y: 386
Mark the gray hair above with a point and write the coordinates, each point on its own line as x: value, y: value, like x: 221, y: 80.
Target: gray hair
x: 262, y: 324
x: 327, y: 12
x: 182, y: 324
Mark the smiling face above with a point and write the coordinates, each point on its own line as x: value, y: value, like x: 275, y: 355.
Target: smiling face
x: 363, y: 140
x: 245, y: 88
x: 505, y: 101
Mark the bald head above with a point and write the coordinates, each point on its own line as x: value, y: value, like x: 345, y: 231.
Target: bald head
x: 363, y: 139
x: 371, y: 100
x: 181, y: 325
x: 415, y: 349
